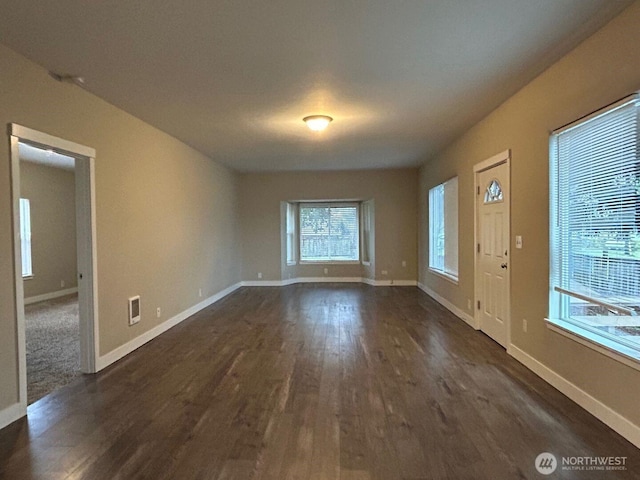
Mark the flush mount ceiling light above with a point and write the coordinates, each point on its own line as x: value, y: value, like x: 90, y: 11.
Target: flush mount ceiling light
x: 317, y: 122
x: 75, y: 79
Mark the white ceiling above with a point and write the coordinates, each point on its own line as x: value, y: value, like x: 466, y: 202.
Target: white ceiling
x: 235, y: 78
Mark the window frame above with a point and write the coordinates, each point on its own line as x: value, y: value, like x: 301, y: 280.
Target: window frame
x: 452, y: 276
x: 559, y: 318
x: 330, y: 205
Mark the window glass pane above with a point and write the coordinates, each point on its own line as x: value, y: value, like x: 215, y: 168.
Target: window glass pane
x: 366, y: 232
x: 443, y: 228
x: 595, y: 257
x: 493, y: 193
x: 25, y: 237
x: 291, y: 236
x: 436, y: 228
x: 451, y: 227
x: 329, y: 233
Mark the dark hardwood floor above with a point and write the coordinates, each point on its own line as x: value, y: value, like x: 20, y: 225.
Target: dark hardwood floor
x: 311, y: 381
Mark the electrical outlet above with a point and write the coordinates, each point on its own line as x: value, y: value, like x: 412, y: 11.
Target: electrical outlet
x: 158, y: 312
x: 259, y: 274
x: 199, y: 292
x: 326, y: 271
x: 384, y: 272
x: 404, y: 263
x: 518, y: 241
x: 524, y: 325
x: 62, y: 284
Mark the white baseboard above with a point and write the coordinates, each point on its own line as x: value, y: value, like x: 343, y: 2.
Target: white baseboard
x: 262, y: 283
x: 449, y: 306
x: 328, y: 280
x: 50, y: 296
x: 392, y: 283
x: 12, y: 413
x: 617, y: 422
x: 291, y: 281
x: 115, y: 355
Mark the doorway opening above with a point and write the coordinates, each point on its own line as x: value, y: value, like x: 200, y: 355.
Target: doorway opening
x: 55, y: 263
x: 49, y: 269
x: 492, y: 255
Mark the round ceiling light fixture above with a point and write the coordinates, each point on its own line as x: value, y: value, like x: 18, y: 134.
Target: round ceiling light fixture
x: 317, y: 123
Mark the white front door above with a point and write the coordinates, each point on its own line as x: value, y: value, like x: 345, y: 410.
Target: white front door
x: 492, y: 258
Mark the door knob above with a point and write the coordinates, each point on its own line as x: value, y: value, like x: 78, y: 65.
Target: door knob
x: 504, y: 265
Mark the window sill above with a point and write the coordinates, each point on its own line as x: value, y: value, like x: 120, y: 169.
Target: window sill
x: 600, y: 344
x: 446, y: 276
x: 366, y: 264
x: 291, y: 264
x: 27, y: 277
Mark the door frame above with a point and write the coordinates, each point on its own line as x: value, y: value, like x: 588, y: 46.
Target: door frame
x: 498, y: 159
x: 86, y: 245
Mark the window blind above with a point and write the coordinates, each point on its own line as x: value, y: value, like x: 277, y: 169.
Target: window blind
x: 291, y: 233
x: 451, y: 227
x: 329, y: 232
x: 443, y: 228
x: 367, y: 220
x: 595, y: 231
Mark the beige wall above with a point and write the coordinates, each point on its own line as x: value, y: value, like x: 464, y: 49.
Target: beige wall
x: 51, y: 193
x: 393, y: 191
x: 165, y: 213
x: 602, y: 69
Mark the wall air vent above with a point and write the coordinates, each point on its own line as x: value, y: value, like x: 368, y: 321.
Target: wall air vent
x: 134, y: 310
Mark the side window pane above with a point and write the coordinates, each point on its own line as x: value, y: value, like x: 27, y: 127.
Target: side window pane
x: 443, y: 228
x: 25, y: 237
x: 291, y: 234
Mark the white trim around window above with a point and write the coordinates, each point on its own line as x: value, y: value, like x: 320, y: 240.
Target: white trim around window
x: 594, y: 294
x: 443, y: 230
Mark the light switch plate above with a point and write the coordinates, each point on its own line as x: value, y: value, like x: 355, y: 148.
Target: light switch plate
x: 518, y: 241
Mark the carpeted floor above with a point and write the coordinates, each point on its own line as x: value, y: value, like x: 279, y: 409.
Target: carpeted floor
x: 53, y: 345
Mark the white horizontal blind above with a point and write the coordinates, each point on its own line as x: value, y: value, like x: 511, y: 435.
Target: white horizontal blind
x: 436, y: 228
x: 443, y: 228
x: 451, y: 227
x: 366, y: 231
x: 596, y: 231
x: 25, y: 237
x: 329, y: 232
